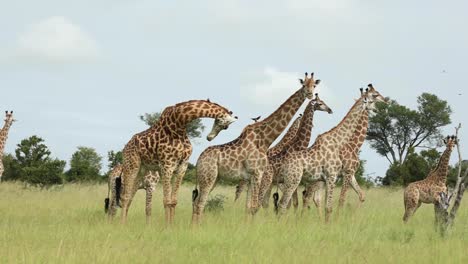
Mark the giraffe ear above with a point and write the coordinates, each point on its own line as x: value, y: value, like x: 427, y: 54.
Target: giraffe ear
x: 301, y: 81
x: 6, y: 112
x: 317, y: 81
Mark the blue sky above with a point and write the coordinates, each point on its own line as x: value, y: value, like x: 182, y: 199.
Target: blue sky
x: 79, y: 73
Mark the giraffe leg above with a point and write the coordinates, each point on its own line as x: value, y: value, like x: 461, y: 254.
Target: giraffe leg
x: 344, y: 189
x: 112, y: 198
x: 129, y: 185
x: 266, y: 198
x: 357, y: 189
x: 166, y: 176
x: 240, y: 188
x: 179, y: 175
x: 288, y: 188
x: 207, y: 172
x: 2, y: 169
x: 256, y: 179
x: 150, y: 186
x: 412, y: 203
x: 330, y: 186
x: 265, y: 186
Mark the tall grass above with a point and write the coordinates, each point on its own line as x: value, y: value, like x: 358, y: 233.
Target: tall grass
x: 68, y: 225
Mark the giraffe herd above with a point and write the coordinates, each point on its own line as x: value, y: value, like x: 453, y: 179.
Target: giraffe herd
x: 162, y: 152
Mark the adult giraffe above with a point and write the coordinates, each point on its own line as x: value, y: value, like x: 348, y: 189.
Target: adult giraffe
x: 429, y: 190
x: 282, y: 144
x: 322, y: 160
x: 3, y: 137
x: 165, y: 145
x: 246, y: 157
x: 299, y: 142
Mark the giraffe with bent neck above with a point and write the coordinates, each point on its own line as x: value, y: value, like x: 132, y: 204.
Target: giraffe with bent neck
x: 246, y: 157
x: 284, y: 142
x: 3, y: 137
x: 429, y: 190
x: 299, y: 142
x: 165, y: 145
x: 322, y: 161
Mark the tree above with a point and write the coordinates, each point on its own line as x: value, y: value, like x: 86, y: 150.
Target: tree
x: 11, y: 168
x: 194, y: 128
x: 85, y: 165
x: 34, y: 165
x: 395, y: 129
x: 114, y: 158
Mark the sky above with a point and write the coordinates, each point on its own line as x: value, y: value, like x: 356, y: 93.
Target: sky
x: 80, y: 72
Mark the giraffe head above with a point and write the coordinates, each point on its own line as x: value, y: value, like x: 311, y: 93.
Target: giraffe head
x: 9, y: 117
x: 372, y: 95
x: 450, y: 141
x: 308, y: 85
x: 221, y: 123
x: 320, y: 105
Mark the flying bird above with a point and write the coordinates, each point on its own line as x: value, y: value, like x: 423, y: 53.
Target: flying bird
x: 255, y: 119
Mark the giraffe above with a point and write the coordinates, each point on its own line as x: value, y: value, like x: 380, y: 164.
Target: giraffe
x: 148, y: 183
x: 246, y: 156
x: 349, y: 156
x: 3, y: 137
x: 321, y: 161
x: 299, y: 142
x: 285, y: 141
x: 165, y: 145
x: 429, y: 190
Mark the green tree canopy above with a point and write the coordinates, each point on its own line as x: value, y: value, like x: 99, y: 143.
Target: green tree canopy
x: 395, y: 129
x: 194, y: 128
x: 114, y: 158
x: 85, y: 165
x: 33, y: 163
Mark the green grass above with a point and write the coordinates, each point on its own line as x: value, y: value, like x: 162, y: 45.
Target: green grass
x: 68, y: 225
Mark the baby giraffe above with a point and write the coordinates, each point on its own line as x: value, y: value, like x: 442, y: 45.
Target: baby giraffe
x: 429, y: 189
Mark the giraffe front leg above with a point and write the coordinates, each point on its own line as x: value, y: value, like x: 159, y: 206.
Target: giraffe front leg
x: 179, y: 175
x: 166, y: 176
x: 344, y: 189
x: 255, y: 184
x: 265, y: 187
x: 330, y: 186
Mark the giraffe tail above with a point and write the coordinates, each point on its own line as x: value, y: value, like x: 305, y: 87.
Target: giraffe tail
x: 118, y: 189
x: 275, y: 201
x: 106, y: 205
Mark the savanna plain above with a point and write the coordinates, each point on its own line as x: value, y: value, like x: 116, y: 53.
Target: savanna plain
x: 68, y: 225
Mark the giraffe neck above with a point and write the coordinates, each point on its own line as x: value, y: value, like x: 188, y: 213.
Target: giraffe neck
x: 178, y: 116
x: 360, y: 133
x: 302, y: 138
x: 273, y: 125
x: 286, y: 140
x: 4, y: 135
x: 341, y: 134
x: 441, y: 171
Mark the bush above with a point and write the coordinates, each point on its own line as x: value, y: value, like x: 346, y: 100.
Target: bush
x: 215, y: 204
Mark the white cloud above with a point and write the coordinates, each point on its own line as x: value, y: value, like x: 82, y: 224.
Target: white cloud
x: 274, y: 86
x: 56, y: 40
